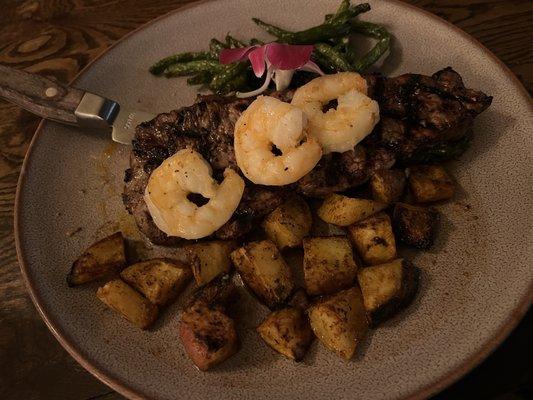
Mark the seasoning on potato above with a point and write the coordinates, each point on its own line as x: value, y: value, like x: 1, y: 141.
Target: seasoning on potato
x: 328, y: 264
x: 129, y: 303
x: 160, y: 280
x: 339, y: 321
x: 374, y: 239
x: 101, y: 259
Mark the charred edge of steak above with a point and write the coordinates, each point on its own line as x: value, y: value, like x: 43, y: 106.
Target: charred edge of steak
x: 424, y: 114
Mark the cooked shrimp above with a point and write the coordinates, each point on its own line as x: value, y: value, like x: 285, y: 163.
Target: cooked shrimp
x: 269, y: 125
x: 340, y: 129
x: 178, y: 176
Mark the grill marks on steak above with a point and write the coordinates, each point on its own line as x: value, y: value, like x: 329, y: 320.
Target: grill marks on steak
x: 416, y: 111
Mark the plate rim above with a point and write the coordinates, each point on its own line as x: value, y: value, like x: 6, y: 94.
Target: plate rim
x: 126, y: 390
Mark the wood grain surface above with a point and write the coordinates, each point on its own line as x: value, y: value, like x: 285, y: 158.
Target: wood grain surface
x: 56, y: 38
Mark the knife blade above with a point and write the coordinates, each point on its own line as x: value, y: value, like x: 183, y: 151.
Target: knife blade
x: 54, y: 101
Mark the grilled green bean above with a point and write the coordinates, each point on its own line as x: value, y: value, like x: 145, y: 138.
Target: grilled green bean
x: 215, y: 46
x: 336, y: 26
x: 231, y: 42
x: 335, y: 57
x: 221, y: 80
x: 380, y: 48
x: 201, y: 78
x: 273, y: 30
x: 193, y: 67
x: 256, y: 42
x: 159, y: 67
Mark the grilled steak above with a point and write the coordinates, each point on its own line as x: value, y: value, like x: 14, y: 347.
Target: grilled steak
x: 419, y: 115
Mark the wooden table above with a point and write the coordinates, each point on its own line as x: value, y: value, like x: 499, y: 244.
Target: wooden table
x: 58, y: 38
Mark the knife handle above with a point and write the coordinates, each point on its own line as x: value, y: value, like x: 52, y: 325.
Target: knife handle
x: 39, y: 95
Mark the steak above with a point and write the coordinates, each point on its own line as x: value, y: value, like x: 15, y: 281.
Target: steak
x: 420, y: 115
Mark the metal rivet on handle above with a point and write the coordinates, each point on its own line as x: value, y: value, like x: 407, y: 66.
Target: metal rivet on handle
x: 51, y: 92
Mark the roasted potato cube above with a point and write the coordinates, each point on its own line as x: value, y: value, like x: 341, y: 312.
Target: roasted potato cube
x: 339, y: 321
x: 210, y: 259
x: 415, y: 226
x: 101, y: 259
x: 430, y: 183
x: 288, y: 332
x: 343, y: 211
x: 264, y: 271
x: 159, y: 280
x: 288, y: 224
x: 387, y: 185
x: 328, y: 264
x: 217, y: 293
x: 387, y: 288
x: 374, y: 239
x: 208, y: 335
x: 129, y: 303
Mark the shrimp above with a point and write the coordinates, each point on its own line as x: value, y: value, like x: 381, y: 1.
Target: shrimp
x: 270, y: 125
x: 178, y: 176
x: 340, y: 129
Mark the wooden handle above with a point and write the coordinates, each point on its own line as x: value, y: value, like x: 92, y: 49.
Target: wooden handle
x: 38, y: 95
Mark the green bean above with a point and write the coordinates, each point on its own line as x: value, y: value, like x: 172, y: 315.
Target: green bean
x: 201, y: 78
x: 220, y: 81
x: 232, y: 42
x: 235, y: 84
x: 379, y: 48
x: 369, y: 29
x: 335, y: 57
x: 193, y: 67
x: 159, y: 67
x: 344, y: 6
x: 273, y: 30
x: 215, y: 46
x: 336, y: 26
x: 343, y: 15
x: 309, y: 36
x: 256, y: 42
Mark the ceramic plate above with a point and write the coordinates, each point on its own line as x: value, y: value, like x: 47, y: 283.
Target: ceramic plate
x: 476, y: 282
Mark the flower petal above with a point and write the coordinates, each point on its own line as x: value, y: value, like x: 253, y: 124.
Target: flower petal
x: 287, y: 56
x: 228, y: 56
x: 257, y: 59
x: 310, y: 66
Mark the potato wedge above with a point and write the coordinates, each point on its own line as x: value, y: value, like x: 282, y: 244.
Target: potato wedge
x: 387, y: 288
x: 374, y: 239
x: 207, y: 332
x: 101, y: 259
x: 328, y: 264
x: 414, y: 225
x: 264, y: 271
x: 430, y: 183
x: 339, y: 321
x: 210, y: 259
x: 343, y: 211
x: 288, y: 332
x: 160, y: 280
x: 387, y: 185
x: 129, y: 303
x: 288, y: 224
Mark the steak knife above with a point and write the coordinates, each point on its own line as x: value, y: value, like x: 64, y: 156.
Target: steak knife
x: 67, y: 105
